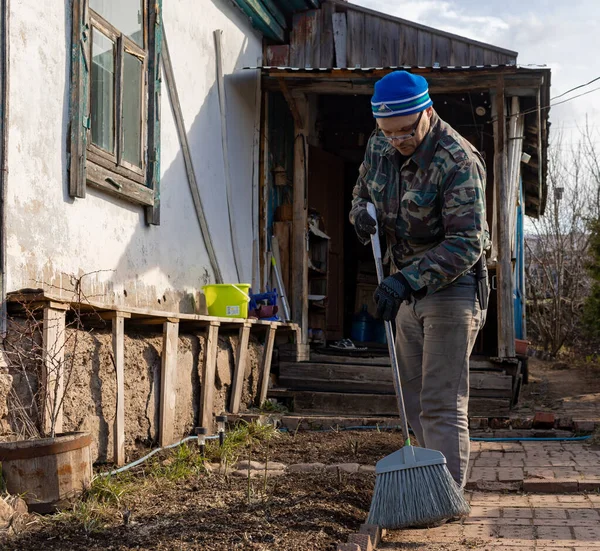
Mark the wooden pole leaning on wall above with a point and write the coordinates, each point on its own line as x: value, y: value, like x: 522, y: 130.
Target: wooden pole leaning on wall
x: 209, y: 367
x: 265, y: 369
x: 118, y: 343
x: 53, y: 355
x: 240, y: 368
x: 168, y: 375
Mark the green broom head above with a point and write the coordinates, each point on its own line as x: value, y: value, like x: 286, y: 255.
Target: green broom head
x: 414, y: 488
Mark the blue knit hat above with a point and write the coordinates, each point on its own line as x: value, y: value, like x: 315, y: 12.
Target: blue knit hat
x: 400, y: 93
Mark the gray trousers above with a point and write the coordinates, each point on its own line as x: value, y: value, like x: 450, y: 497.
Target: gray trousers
x: 434, y: 339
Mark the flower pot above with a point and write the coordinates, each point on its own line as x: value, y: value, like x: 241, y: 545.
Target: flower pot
x: 47, y: 472
x: 521, y: 347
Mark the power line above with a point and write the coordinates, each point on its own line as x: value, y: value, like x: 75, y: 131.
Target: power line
x: 534, y: 109
x: 576, y: 88
x: 577, y: 96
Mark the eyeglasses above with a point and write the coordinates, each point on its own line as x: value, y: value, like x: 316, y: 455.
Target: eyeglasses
x: 404, y: 137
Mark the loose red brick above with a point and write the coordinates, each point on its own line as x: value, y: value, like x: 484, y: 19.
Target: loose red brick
x: 581, y: 425
x: 548, y: 486
x: 588, y: 485
x: 543, y: 420
x: 362, y: 540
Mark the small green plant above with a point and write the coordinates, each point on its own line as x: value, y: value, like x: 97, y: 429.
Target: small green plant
x: 272, y: 407
x: 184, y: 462
x: 88, y: 514
x: 110, y: 489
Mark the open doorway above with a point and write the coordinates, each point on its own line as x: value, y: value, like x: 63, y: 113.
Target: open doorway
x: 342, y: 129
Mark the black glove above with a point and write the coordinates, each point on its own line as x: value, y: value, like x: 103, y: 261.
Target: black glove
x: 364, y: 224
x: 390, y: 294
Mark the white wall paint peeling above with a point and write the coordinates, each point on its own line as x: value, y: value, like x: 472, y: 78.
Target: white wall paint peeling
x: 50, y: 235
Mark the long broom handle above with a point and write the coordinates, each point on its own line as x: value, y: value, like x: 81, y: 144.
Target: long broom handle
x: 388, y: 328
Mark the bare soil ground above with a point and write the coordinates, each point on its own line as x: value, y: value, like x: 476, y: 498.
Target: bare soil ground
x: 294, y: 512
x: 568, y: 386
x: 297, y: 511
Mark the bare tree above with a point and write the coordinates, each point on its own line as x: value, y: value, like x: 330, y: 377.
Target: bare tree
x: 36, y: 411
x: 557, y: 248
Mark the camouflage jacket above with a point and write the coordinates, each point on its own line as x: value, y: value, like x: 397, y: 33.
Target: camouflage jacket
x: 431, y: 208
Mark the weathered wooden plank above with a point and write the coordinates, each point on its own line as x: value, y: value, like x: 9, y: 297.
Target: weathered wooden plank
x: 349, y: 359
x: 327, y: 403
x: 209, y: 367
x: 490, y: 57
x: 390, y: 44
x: 118, y: 185
x: 489, y: 407
x: 355, y: 38
x: 334, y: 403
x: 299, y: 223
x: 371, y: 379
x: 489, y: 381
x: 327, y: 48
x: 312, y: 44
x: 282, y: 231
x: 298, y: 41
x: 505, y: 308
x: 475, y: 55
x: 168, y: 378
x: 425, y: 49
x: 460, y: 53
x: 265, y: 368
x: 278, y: 55
x: 373, y: 40
x: 340, y: 30
x: 335, y: 372
x: 262, y: 19
x: 80, y: 77
x: 118, y: 344
x: 409, y: 46
x: 53, y: 356
x: 442, y: 50
x: 291, y: 101
x: 241, y: 360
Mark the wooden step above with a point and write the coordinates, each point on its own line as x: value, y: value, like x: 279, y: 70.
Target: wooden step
x: 368, y: 379
x: 337, y: 403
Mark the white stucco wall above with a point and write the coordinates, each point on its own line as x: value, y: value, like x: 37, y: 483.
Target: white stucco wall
x: 51, y: 236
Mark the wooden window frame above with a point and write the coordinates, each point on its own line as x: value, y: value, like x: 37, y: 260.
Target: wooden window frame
x: 89, y: 164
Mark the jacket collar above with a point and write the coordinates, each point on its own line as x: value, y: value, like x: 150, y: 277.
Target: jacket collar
x: 426, y: 150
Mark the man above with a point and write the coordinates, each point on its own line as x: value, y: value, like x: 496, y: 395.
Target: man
x: 428, y: 186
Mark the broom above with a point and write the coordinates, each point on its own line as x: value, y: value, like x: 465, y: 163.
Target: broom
x: 413, y: 486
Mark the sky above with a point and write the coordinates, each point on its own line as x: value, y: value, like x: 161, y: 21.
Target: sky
x: 561, y: 35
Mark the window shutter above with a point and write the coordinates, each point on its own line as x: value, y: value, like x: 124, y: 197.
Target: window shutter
x: 79, y: 115
x: 154, y: 85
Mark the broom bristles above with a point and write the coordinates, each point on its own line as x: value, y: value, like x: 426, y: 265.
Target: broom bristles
x: 417, y: 496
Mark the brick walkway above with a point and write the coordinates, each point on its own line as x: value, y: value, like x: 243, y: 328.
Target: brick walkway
x: 503, y: 517
x: 551, y: 467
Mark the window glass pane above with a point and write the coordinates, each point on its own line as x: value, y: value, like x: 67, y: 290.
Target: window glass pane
x: 126, y: 16
x: 132, y: 109
x: 103, y: 91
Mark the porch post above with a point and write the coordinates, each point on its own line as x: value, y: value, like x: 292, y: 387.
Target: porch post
x: 506, y: 323
x: 299, y: 275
